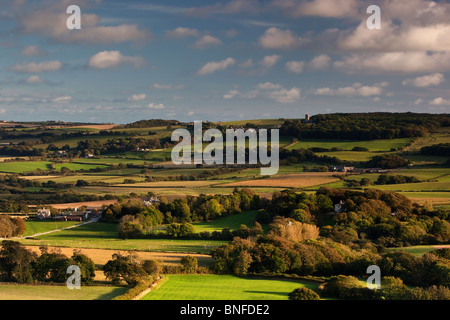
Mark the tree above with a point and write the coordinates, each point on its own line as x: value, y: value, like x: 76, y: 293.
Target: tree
x: 190, y: 264
x: 87, y: 266
x: 152, y: 267
x: 124, y: 268
x: 303, y: 294
x: 16, y: 262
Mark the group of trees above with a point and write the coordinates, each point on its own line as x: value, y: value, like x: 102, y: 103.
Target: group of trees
x: 365, y: 126
x: 441, y: 149
x: 18, y: 264
x: 11, y: 227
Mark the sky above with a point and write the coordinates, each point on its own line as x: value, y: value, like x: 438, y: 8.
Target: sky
x: 208, y: 60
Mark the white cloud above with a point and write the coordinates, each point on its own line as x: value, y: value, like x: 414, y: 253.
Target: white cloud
x: 156, y: 106
x: 181, y: 32
x: 34, y: 80
x: 110, y: 59
x: 320, y: 62
x: 395, y: 62
x: 32, y: 51
x: 246, y: 64
x: 270, y: 61
x: 137, y: 97
x: 275, y: 38
x: 295, y: 66
x: 440, y: 102
x: 351, y: 91
x: 319, y: 8
x: 434, y: 79
x: 212, y: 67
x: 286, y: 96
x: 62, y: 99
x: 50, y: 19
x: 37, y: 67
x: 268, y: 86
x: 207, y: 41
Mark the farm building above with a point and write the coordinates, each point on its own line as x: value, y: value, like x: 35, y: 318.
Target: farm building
x: 339, y: 207
x: 44, y: 214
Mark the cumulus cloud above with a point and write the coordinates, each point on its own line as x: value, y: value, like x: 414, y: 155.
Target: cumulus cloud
x: 34, y: 80
x: 356, y: 90
x: 268, y: 86
x: 285, y: 96
x: 212, y: 67
x: 434, y: 79
x: 50, y: 21
x: 440, y: 102
x: 181, y: 32
x: 275, y: 38
x: 111, y: 59
x: 137, y: 97
x: 156, y: 106
x: 395, y: 62
x: 37, y: 67
x: 269, y: 61
x: 295, y: 66
x: 32, y: 51
x: 320, y: 62
x: 319, y: 8
x: 207, y: 41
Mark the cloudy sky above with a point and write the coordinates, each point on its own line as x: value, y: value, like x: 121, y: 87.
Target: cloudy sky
x: 221, y: 60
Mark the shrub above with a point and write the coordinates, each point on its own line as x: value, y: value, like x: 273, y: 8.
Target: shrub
x: 303, y: 294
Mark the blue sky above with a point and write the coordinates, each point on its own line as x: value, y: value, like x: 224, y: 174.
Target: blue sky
x: 221, y: 60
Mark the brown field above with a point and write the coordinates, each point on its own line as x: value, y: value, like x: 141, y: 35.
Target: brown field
x: 168, y: 184
x: 288, y: 181
x: 89, y: 204
x: 102, y: 256
x: 95, y: 126
x: 38, y: 177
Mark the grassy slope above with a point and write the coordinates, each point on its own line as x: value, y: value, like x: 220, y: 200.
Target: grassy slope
x: 224, y: 287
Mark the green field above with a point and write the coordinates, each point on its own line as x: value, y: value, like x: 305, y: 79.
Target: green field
x: 416, y: 250
x: 24, y: 292
x: 24, y: 166
x: 105, y: 236
x: 223, y: 287
x: 233, y: 222
x: 34, y: 227
x: 347, y: 145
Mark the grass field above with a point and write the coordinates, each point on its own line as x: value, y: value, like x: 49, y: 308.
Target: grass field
x: 105, y: 236
x: 372, y: 145
x: 418, y: 250
x: 24, y: 166
x: 223, y: 287
x: 23, y: 292
x: 34, y: 227
x: 233, y: 222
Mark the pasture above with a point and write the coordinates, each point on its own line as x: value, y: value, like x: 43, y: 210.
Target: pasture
x: 31, y: 292
x: 105, y: 236
x: 347, y: 145
x: 233, y: 222
x: 223, y: 287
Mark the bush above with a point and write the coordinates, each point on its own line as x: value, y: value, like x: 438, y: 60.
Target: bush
x: 303, y: 294
x: 190, y: 264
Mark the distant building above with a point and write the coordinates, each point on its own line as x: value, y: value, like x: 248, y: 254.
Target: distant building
x: 341, y: 169
x: 339, y: 207
x: 44, y: 214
